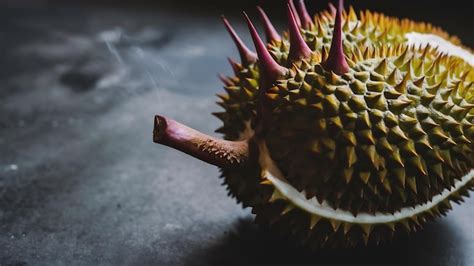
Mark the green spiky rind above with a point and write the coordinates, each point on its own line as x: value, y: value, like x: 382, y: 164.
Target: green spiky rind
x: 239, y: 101
x: 361, y: 136
x: 369, y: 29
x: 273, y: 209
x: 251, y: 188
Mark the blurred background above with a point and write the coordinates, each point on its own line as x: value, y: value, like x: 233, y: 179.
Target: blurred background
x: 81, y: 181
x: 455, y: 15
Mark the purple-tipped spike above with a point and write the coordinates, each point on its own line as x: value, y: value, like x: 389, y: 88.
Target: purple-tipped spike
x: 336, y: 61
x: 270, y: 32
x: 270, y: 70
x: 332, y: 8
x: 246, y: 55
x: 298, y: 47
x: 293, y: 8
x: 306, y: 20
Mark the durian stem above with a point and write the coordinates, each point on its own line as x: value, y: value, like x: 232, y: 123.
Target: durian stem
x: 221, y: 153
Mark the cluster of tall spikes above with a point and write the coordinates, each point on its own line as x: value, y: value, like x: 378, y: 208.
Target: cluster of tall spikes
x: 298, y: 17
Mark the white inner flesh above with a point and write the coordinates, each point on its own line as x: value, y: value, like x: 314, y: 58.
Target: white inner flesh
x: 444, y: 46
x: 323, y: 209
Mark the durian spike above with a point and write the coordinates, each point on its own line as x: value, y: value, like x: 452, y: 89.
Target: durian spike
x: 225, y: 80
x: 306, y: 20
x: 332, y: 9
x: 293, y: 8
x: 217, y: 152
x: 298, y: 47
x: 270, y: 32
x: 270, y: 70
x: 246, y: 55
x: 336, y: 61
x: 235, y: 66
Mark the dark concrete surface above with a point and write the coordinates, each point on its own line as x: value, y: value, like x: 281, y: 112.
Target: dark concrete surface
x: 81, y: 182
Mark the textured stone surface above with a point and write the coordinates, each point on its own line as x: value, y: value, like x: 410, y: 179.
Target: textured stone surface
x: 81, y: 181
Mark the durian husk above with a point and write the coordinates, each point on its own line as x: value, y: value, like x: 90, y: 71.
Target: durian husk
x: 394, y: 132
x: 388, y: 132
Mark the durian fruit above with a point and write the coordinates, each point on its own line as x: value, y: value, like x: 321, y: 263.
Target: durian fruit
x: 344, y: 130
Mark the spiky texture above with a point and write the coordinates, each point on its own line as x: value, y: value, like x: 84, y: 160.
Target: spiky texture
x: 392, y: 142
x: 337, y: 132
x: 368, y: 30
x: 392, y: 131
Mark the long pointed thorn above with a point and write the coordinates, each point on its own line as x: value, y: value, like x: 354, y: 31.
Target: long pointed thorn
x: 336, y: 61
x: 332, y: 9
x: 298, y: 47
x: 340, y: 4
x: 270, y: 70
x: 306, y: 20
x: 293, y: 8
x: 246, y: 55
x: 270, y: 31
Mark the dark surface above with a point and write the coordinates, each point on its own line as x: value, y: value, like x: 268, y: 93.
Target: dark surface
x: 81, y: 181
